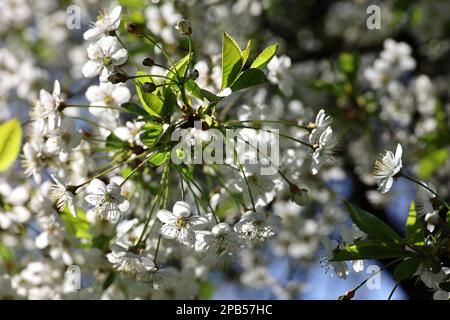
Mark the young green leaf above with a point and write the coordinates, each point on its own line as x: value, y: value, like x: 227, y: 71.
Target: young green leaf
x: 414, y: 233
x: 10, y: 140
x: 194, y: 89
x: 150, y: 133
x: 150, y: 101
x: 180, y: 68
x: 264, y: 57
x: 246, y: 52
x: 370, y: 249
x: 406, y: 269
x: 373, y: 226
x: 232, y: 61
x: 158, y: 159
x: 249, y: 78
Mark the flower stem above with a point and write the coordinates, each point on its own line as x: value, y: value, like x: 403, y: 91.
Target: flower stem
x: 426, y: 187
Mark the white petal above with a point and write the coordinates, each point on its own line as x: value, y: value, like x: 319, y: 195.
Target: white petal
x: 119, y: 57
x: 92, y: 69
x: 165, y: 216
x: 93, y: 199
x: 108, y: 45
x: 56, y: 88
x: 115, y: 14
x: 92, y: 34
x: 385, y: 184
x: 398, y: 152
x: 121, y: 95
x: 181, y: 209
x: 96, y: 186
x: 169, y: 231
x: 124, y: 206
x: 198, y: 223
x: 358, y: 265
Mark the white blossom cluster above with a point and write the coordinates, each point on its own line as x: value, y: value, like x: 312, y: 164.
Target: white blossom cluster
x: 61, y: 205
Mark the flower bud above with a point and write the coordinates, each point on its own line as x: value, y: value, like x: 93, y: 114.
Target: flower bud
x: 148, y: 87
x: 299, y: 196
x: 148, y: 62
x: 193, y: 74
x: 184, y: 26
x: 132, y: 27
x: 117, y: 77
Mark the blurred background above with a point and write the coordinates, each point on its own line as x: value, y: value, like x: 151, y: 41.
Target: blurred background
x: 326, y: 59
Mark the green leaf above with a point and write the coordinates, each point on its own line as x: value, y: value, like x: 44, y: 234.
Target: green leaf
x: 5, y: 253
x: 158, y: 159
x: 150, y: 101
x: 414, y: 233
x: 10, y: 140
x: 432, y: 161
x: 194, y: 89
x: 246, y: 52
x: 170, y: 100
x: 249, y: 78
x: 113, y: 142
x: 232, y: 61
x: 373, y: 226
x: 150, y: 133
x: 134, y: 4
x: 206, y: 290
x: 134, y: 109
x: 180, y: 67
x: 79, y: 226
x: 348, y: 65
x: 264, y: 57
x: 406, y: 269
x: 369, y: 249
x: 210, y: 96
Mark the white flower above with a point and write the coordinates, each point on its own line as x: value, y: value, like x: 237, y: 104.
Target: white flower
x: 324, y: 149
x: 221, y: 243
x: 106, y: 22
x: 322, y: 122
x: 107, y: 94
x: 63, y: 140
x: 32, y: 160
x: 63, y: 196
x: 349, y: 235
x: 103, y: 57
x: 387, y: 168
x: 130, y: 132
x: 45, y: 112
x: 278, y: 73
x: 339, y: 268
x: 107, y: 200
x: 180, y: 225
x: 257, y: 226
x: 128, y: 262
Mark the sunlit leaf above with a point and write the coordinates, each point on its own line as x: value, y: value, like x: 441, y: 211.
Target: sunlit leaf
x: 264, y: 57
x: 232, y: 61
x: 10, y: 141
x: 373, y: 226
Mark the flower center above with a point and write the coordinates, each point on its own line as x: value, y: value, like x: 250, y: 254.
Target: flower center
x: 181, y: 223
